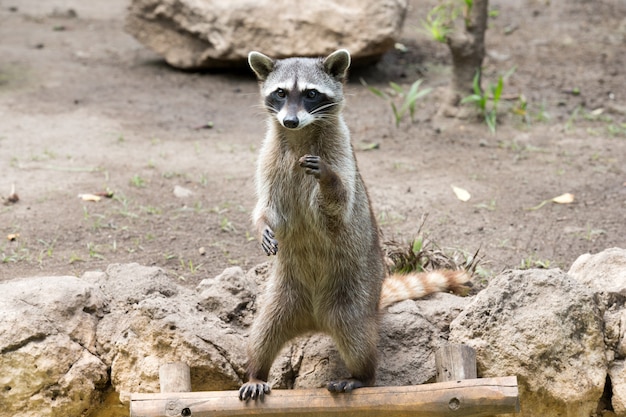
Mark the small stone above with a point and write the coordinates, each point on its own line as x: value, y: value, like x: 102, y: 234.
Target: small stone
x: 182, y: 192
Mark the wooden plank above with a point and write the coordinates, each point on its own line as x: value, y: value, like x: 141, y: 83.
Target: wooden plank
x: 455, y: 362
x: 175, y: 377
x: 472, y: 397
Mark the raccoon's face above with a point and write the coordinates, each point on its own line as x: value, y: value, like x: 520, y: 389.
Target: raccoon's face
x: 301, y: 91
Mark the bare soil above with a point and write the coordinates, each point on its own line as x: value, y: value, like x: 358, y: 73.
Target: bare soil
x: 84, y: 108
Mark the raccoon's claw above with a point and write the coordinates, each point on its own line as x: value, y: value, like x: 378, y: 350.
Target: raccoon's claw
x: 312, y: 165
x: 268, y: 243
x: 344, y: 385
x: 253, y: 390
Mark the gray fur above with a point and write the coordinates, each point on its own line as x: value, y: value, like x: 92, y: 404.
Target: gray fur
x: 314, y: 214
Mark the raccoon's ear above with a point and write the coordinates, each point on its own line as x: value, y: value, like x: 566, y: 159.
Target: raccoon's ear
x: 261, y: 64
x: 337, y: 63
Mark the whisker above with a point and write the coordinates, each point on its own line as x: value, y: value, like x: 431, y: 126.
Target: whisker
x: 324, y: 107
x: 265, y: 107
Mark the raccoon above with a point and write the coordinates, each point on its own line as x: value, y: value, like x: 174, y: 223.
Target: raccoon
x: 314, y: 214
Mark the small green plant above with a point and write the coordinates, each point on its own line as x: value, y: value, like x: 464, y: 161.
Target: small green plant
x: 491, y: 205
x: 169, y: 256
x: 530, y: 262
x: 440, y: 19
x: 48, y: 249
x: 616, y: 129
x: 421, y: 254
x: 93, y: 252
x: 407, y: 98
x: 152, y: 210
x: 481, y: 98
x: 226, y: 225
x: 592, y: 234
x: 137, y: 181
x: 572, y: 118
x: 74, y: 258
x: 189, y: 265
x: 124, y: 205
x: 521, y: 109
x: 438, y: 23
x: 97, y: 221
x: 542, y: 114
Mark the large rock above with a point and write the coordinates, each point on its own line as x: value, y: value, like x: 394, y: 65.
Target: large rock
x: 604, y: 273
x: 411, y: 333
x: 48, y: 362
x: 546, y: 328
x: 154, y: 321
x: 60, y: 337
x: 217, y: 33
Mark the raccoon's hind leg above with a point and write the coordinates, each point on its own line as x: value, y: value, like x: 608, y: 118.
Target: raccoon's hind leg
x: 279, y: 320
x: 357, y: 344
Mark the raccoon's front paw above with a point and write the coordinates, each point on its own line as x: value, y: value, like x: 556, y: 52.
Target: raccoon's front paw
x: 268, y: 242
x: 313, y: 165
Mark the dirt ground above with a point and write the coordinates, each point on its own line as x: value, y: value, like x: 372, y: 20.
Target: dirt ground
x: 84, y: 108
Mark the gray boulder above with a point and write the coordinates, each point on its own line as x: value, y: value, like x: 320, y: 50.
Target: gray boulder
x: 48, y: 361
x: 546, y: 328
x: 154, y: 321
x: 217, y: 33
x: 604, y: 274
x: 61, y: 337
x: 230, y: 295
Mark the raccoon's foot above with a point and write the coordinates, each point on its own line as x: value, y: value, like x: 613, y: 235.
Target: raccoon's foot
x: 254, y: 389
x: 345, y: 385
x: 268, y: 243
x: 313, y: 165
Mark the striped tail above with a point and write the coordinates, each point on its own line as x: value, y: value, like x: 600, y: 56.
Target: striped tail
x: 398, y: 287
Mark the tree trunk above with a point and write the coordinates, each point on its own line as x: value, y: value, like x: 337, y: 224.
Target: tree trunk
x: 467, y: 46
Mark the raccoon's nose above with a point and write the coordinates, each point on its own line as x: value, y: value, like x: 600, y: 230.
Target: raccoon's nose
x: 291, y: 122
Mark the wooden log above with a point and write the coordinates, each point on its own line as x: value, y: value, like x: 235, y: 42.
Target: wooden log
x: 455, y: 362
x: 175, y: 377
x: 473, y: 397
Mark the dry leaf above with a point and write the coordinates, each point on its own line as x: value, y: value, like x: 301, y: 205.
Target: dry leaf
x: 461, y: 193
x: 12, y: 198
x: 89, y: 197
x: 564, y: 198
x: 13, y: 236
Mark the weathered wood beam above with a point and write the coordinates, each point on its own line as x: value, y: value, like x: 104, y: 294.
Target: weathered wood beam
x: 454, y: 362
x: 175, y: 377
x: 472, y: 397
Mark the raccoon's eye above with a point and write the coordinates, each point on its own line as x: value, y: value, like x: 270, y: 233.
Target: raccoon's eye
x: 311, y: 94
x: 280, y: 93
